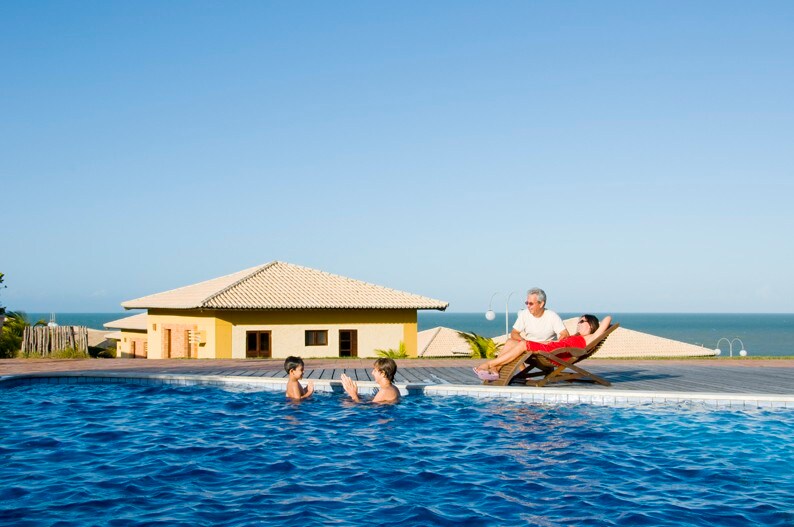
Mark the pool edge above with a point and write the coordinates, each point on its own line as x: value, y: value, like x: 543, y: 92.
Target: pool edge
x: 556, y: 395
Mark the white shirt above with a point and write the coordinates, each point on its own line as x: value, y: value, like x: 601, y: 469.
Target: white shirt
x: 539, y: 329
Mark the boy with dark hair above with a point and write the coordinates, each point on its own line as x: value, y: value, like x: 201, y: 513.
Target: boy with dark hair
x: 294, y: 368
x: 383, y: 372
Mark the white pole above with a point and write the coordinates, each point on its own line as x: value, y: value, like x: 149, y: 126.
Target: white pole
x: 507, y: 304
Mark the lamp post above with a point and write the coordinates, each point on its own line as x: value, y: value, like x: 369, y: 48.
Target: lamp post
x: 742, y: 352
x: 490, y: 315
x: 718, y: 351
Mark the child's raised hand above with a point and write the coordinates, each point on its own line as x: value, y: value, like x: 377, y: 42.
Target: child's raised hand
x: 349, y: 383
x: 309, y: 388
x: 350, y: 386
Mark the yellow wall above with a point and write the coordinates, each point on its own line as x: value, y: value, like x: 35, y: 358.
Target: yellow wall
x: 123, y: 346
x: 223, y: 339
x: 225, y: 330
x: 202, y: 321
x: 409, y: 337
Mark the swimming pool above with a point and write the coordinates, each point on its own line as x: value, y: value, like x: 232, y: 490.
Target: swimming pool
x: 144, y: 455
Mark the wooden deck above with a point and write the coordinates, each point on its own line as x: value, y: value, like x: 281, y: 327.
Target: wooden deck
x: 720, y: 376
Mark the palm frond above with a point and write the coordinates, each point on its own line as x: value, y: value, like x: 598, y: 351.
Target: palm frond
x: 11, y: 333
x: 391, y: 353
x: 481, y: 347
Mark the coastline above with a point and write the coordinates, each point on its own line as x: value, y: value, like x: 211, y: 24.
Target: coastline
x: 763, y: 335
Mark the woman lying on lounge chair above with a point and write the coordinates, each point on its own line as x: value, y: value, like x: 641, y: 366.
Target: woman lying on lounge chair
x: 588, y: 330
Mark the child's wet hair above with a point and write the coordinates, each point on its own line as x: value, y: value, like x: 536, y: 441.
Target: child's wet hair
x: 388, y: 367
x: 290, y: 363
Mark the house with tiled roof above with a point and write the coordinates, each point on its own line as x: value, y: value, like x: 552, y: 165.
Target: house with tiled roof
x: 276, y: 310
x: 130, y: 336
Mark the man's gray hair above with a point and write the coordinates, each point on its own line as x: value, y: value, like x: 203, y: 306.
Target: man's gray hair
x: 541, y: 294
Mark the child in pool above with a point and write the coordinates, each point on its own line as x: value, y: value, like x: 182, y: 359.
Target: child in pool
x: 383, y: 372
x: 294, y: 368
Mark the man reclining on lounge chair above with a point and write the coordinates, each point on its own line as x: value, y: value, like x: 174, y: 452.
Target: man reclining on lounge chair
x: 588, y: 330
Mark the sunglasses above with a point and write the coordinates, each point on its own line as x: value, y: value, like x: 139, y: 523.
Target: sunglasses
x: 529, y: 303
x: 582, y: 322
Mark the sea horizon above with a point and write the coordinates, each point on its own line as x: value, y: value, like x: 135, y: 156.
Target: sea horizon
x: 760, y: 334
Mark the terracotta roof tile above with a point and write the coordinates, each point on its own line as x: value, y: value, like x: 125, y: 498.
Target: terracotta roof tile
x: 134, y: 323
x: 280, y: 285
x: 441, y: 342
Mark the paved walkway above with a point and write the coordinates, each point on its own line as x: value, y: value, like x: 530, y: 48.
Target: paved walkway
x: 716, y: 376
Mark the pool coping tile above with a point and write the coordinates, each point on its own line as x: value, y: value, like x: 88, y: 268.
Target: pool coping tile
x: 526, y: 394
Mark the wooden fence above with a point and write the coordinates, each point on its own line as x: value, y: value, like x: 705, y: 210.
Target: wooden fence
x: 41, y: 341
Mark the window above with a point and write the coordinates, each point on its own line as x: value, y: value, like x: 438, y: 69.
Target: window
x: 316, y: 337
x: 257, y: 344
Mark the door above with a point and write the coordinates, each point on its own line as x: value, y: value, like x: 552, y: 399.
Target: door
x: 257, y: 345
x: 348, y: 343
x: 167, y: 343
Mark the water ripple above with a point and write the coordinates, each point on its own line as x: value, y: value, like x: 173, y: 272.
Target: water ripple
x: 147, y: 455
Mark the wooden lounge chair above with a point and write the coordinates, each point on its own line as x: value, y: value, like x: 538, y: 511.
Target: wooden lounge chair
x: 551, y: 367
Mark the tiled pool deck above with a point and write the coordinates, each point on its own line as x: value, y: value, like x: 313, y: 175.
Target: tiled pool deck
x: 714, y: 382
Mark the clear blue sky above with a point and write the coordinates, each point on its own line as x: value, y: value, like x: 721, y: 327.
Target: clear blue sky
x: 625, y: 156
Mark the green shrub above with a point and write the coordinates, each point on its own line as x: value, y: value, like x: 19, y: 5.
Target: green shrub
x: 68, y: 353
x: 107, y: 353
x: 392, y: 353
x: 481, y: 347
x: 11, y: 335
x: 101, y: 353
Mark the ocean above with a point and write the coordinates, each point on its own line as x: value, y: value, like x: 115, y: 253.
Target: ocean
x: 761, y: 334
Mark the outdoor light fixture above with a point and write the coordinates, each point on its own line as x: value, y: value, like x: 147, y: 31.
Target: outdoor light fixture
x: 742, y: 352
x: 490, y: 315
x: 718, y: 351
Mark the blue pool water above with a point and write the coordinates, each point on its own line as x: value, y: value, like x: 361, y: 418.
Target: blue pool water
x: 144, y: 455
